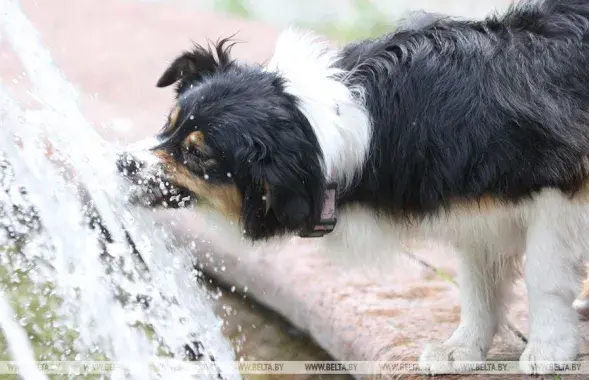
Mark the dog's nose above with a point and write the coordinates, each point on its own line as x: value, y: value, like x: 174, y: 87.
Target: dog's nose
x: 128, y: 164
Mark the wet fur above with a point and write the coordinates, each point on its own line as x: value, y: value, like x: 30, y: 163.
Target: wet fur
x: 472, y: 132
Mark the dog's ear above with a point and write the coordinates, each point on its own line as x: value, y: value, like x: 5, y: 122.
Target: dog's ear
x: 284, y: 193
x: 292, y: 207
x: 191, y: 66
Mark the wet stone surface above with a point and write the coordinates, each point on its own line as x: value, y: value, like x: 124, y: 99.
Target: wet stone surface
x: 257, y: 333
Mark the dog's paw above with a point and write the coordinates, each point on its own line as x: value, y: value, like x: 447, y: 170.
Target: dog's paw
x: 540, y: 357
x: 448, y: 358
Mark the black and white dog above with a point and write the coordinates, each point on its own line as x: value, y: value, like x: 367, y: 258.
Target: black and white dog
x: 475, y: 132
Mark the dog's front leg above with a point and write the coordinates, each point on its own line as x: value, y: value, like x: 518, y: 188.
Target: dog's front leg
x: 485, y: 279
x: 553, y: 270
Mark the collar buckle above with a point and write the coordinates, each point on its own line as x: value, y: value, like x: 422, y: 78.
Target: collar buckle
x: 328, y: 220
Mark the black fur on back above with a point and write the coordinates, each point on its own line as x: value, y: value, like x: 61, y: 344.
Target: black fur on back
x: 466, y: 109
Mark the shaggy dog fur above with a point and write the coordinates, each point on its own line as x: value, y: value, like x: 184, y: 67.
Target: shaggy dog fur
x: 475, y: 132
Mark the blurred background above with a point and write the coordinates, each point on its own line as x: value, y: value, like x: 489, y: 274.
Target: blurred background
x: 343, y: 20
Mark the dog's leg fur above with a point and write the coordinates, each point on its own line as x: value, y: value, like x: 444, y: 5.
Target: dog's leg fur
x: 485, y: 280
x: 553, y: 272
x: 553, y: 237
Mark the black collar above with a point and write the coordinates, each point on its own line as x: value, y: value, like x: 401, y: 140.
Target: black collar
x: 328, y: 220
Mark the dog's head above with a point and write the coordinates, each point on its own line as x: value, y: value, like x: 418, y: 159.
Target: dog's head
x: 234, y: 141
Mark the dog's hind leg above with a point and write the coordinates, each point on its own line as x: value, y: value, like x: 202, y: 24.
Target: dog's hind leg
x: 553, y: 271
x: 485, y: 280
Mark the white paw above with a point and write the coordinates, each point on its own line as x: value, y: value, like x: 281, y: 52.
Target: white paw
x: 539, y: 357
x: 448, y: 358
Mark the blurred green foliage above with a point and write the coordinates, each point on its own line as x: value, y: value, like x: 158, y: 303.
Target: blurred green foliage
x: 369, y: 21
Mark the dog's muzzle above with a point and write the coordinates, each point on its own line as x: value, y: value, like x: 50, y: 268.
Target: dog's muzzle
x: 150, y: 186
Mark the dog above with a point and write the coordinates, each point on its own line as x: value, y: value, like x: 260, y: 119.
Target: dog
x: 475, y: 132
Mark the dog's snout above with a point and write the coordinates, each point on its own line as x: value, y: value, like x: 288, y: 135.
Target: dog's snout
x: 137, y: 157
x: 150, y: 186
x: 129, y: 165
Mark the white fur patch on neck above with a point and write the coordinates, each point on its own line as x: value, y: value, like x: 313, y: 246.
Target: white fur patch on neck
x: 335, y: 111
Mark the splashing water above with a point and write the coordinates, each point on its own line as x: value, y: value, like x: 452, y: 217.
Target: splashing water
x: 80, y: 289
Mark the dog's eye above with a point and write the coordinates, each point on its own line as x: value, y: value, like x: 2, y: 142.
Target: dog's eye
x: 193, y: 153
